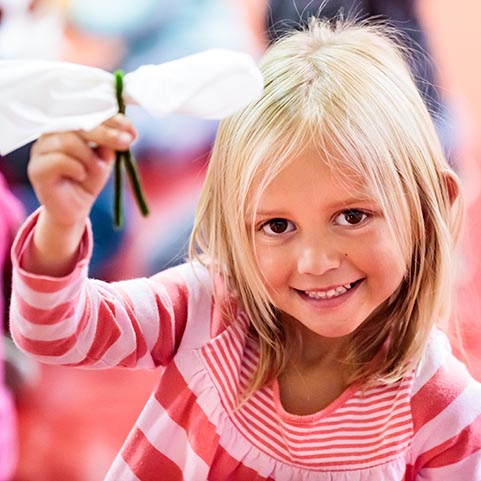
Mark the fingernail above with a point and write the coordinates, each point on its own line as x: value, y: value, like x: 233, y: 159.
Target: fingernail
x: 125, y: 138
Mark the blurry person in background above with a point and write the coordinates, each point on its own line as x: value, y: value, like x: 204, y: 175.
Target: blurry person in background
x: 44, y: 28
x: 10, y: 217
x: 30, y: 29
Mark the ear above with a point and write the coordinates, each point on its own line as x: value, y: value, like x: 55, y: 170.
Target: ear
x: 452, y: 183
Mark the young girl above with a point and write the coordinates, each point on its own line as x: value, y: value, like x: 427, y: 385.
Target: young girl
x: 300, y: 341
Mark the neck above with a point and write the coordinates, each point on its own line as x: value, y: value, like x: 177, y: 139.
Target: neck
x: 312, y: 349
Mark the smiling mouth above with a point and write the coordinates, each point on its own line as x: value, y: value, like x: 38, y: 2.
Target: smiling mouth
x: 331, y: 293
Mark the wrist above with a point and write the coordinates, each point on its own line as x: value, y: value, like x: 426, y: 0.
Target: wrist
x: 54, y: 247
x: 64, y: 228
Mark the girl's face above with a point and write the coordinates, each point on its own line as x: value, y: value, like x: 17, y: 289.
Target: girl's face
x: 325, y: 249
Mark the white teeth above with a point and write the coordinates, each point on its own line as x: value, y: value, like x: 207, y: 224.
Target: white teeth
x: 330, y: 293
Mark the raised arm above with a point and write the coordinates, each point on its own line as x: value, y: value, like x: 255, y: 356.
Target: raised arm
x: 59, y: 315
x: 67, y: 171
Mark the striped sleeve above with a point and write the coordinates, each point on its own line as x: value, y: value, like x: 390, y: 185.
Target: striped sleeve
x: 74, y: 320
x: 446, y: 410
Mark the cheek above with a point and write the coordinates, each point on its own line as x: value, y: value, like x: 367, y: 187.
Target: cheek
x: 379, y: 256
x: 390, y: 263
x: 272, y: 266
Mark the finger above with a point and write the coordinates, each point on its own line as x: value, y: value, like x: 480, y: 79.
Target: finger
x: 69, y: 143
x: 55, y: 164
x: 121, y: 122
x: 106, y: 136
x: 107, y: 155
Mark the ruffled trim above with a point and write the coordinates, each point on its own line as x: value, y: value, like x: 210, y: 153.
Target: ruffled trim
x: 244, y: 453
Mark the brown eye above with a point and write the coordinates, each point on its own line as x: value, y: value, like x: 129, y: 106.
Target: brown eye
x: 351, y: 217
x: 278, y: 226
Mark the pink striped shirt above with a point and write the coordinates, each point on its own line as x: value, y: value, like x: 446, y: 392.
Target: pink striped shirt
x: 425, y: 427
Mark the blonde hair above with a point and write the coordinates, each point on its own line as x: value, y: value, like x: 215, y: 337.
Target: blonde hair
x: 345, y: 88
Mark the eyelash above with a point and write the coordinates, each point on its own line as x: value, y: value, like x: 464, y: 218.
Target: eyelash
x: 290, y: 226
x: 365, y: 216
x: 270, y: 222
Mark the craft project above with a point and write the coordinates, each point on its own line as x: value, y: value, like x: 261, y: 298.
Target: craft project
x: 38, y: 97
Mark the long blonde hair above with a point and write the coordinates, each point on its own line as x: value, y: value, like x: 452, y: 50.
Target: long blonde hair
x: 347, y: 89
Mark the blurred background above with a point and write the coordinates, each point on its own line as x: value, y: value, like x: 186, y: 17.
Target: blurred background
x: 71, y: 423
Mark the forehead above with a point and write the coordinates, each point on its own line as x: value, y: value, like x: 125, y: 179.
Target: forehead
x: 313, y: 177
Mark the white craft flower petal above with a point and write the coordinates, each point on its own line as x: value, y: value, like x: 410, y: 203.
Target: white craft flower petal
x: 40, y: 96
x: 212, y: 84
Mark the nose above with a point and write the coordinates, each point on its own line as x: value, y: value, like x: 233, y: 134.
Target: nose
x: 318, y: 255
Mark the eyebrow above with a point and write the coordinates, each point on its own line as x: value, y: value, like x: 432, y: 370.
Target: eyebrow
x: 335, y: 205
x: 265, y: 213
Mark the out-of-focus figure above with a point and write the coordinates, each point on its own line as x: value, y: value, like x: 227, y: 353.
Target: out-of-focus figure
x: 29, y: 29
x: 10, y: 217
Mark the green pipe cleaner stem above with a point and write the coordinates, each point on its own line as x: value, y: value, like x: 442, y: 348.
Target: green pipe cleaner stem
x: 125, y: 159
x: 118, y: 191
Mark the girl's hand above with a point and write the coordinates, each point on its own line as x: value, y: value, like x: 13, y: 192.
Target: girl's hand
x: 68, y: 170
